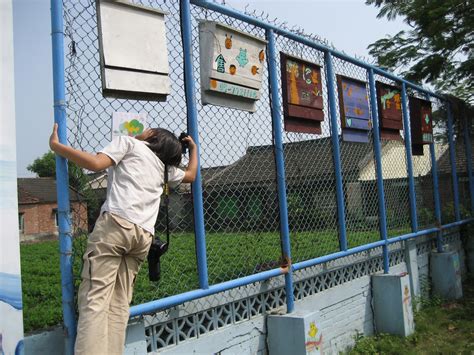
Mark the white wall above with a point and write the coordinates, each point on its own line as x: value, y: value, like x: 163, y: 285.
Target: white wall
x: 11, y: 316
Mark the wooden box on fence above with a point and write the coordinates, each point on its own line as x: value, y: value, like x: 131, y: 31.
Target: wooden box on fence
x: 354, y: 110
x: 133, y: 51
x: 232, y: 65
x: 390, y: 111
x: 421, y: 124
x: 302, y: 95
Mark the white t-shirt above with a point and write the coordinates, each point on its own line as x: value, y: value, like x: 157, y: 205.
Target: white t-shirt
x: 135, y: 182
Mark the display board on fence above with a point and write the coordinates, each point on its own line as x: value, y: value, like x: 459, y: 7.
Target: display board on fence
x: 421, y: 124
x: 390, y: 111
x: 232, y: 64
x: 302, y: 95
x: 354, y: 110
x: 133, y: 51
x: 128, y: 123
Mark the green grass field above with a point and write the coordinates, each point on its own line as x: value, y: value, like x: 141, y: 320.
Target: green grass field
x: 230, y: 256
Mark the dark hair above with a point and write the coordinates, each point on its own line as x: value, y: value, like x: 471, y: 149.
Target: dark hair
x: 165, y: 145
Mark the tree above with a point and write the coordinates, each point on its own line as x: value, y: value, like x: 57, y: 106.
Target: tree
x: 45, y: 166
x: 439, y: 48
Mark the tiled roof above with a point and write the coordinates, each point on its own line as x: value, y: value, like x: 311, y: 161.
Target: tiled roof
x: 311, y: 159
x: 40, y: 190
x: 444, y: 163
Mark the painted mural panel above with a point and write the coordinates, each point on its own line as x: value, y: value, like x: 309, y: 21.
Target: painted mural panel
x: 232, y: 64
x: 11, y: 314
x: 354, y: 110
x: 302, y: 95
x: 421, y: 124
x: 389, y: 106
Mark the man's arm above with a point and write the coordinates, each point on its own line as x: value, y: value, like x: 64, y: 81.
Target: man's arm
x: 191, y: 170
x: 82, y: 159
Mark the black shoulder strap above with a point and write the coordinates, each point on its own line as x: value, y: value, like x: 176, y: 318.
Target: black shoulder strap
x: 167, y: 201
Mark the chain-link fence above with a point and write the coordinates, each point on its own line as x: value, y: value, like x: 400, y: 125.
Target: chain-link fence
x: 240, y: 196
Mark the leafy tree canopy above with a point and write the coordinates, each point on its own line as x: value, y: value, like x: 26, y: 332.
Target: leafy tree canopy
x: 45, y: 166
x: 439, y: 48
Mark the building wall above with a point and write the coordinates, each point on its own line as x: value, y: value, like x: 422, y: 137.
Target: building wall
x: 40, y: 219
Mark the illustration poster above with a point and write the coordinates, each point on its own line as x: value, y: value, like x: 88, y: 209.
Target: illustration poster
x: 421, y: 124
x: 390, y: 111
x: 354, y: 110
x: 11, y: 306
x: 302, y: 95
x: 128, y: 123
x: 232, y: 64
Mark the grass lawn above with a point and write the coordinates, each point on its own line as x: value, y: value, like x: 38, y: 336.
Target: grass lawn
x: 229, y: 255
x: 441, y: 328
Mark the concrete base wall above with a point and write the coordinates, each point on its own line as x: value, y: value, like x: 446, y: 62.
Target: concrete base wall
x: 345, y: 311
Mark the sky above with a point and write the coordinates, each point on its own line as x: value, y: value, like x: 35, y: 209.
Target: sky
x: 349, y: 25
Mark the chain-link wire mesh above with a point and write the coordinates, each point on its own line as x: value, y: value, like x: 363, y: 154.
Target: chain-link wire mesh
x: 241, y: 211
x: 89, y: 125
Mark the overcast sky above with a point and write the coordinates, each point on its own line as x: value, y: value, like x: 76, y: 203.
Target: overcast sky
x: 349, y: 24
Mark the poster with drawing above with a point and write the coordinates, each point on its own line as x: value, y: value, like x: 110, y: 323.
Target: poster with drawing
x: 128, y: 123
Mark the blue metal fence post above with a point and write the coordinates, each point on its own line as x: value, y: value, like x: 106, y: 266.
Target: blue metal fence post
x: 191, y: 108
x: 62, y: 178
x: 452, y: 159
x: 468, y: 148
x: 280, y: 165
x: 437, y: 203
x: 341, y: 212
x: 408, y: 152
x: 378, y: 168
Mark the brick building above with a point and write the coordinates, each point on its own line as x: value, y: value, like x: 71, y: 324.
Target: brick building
x: 37, y: 209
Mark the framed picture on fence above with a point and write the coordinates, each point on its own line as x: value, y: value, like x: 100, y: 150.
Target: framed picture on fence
x: 302, y: 95
x: 231, y: 66
x: 389, y: 106
x: 421, y: 124
x: 128, y: 123
x: 354, y: 109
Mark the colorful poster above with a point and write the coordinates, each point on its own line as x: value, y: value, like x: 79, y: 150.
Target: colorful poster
x: 354, y: 110
x: 302, y: 95
x: 11, y: 307
x: 421, y: 124
x: 389, y: 106
x: 232, y: 64
x: 128, y: 123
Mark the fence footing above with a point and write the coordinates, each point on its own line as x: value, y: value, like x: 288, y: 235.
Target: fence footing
x: 295, y: 333
x: 446, y: 275
x: 392, y: 301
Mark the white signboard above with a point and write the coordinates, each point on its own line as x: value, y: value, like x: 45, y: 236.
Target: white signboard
x: 128, y: 123
x: 133, y: 50
x: 11, y: 305
x: 232, y: 64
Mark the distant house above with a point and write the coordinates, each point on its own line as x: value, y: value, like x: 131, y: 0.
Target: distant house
x: 38, y: 211
x: 244, y: 196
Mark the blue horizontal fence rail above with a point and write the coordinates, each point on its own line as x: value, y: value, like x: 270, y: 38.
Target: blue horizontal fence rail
x: 329, y: 53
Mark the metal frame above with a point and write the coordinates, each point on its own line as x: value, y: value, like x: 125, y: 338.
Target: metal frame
x: 205, y: 289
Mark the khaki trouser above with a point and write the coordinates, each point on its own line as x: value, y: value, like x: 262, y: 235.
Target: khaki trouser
x: 115, y: 250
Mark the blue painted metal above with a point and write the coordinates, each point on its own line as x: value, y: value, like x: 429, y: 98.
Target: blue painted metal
x: 378, y: 169
x: 437, y: 203
x: 280, y: 31
x: 190, y: 90
x: 62, y: 178
x: 452, y: 159
x: 340, y: 254
x: 280, y: 164
x: 411, y: 180
x: 341, y: 213
x: 468, y: 148
x: 175, y: 300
